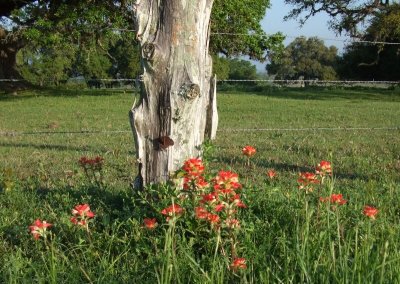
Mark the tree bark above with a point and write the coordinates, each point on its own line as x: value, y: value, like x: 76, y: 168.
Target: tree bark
x: 177, y: 104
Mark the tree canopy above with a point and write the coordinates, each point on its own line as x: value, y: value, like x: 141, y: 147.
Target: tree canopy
x: 236, y: 29
x: 95, y: 35
x: 363, y: 61
x: 345, y: 15
x: 307, y: 58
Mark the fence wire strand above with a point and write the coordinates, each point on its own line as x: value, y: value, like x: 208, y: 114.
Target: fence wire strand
x: 305, y: 129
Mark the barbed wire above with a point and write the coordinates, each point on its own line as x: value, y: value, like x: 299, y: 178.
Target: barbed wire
x: 240, y: 80
x: 351, y: 40
x: 311, y: 81
x: 305, y: 129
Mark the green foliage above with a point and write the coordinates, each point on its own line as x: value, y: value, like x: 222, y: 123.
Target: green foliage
x: 220, y: 67
x: 308, y: 58
x: 375, y: 62
x: 346, y: 15
x: 85, y: 28
x: 235, y: 68
x: 45, y: 66
x: 126, y: 59
x: 241, y: 20
x: 240, y: 69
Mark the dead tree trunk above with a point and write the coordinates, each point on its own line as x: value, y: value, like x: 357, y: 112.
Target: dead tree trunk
x: 177, y: 108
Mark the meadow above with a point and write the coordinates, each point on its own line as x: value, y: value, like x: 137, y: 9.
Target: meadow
x: 286, y: 234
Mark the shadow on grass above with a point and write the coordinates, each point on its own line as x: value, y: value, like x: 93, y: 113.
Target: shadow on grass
x: 53, y: 147
x: 290, y: 168
x: 323, y: 93
x: 62, y: 93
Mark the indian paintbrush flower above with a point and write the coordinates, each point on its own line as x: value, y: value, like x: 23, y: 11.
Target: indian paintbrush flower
x: 39, y: 229
x: 150, y: 223
x: 370, y: 212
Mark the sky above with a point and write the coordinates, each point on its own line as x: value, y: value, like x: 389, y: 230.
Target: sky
x: 316, y: 26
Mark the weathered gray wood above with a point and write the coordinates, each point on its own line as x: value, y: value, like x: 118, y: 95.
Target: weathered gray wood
x: 169, y: 122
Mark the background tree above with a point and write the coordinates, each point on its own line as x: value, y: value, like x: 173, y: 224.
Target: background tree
x: 240, y: 69
x: 126, y: 59
x: 346, y: 15
x: 308, y: 58
x: 58, y: 24
x: 220, y: 67
x: 364, y: 61
x: 237, y: 31
x: 86, y: 27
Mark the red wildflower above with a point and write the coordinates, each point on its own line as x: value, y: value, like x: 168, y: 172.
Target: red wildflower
x: 323, y: 168
x: 173, y: 210
x: 38, y: 228
x: 226, y: 181
x: 271, y: 174
x: 213, y: 218
x: 239, y: 263
x: 150, y: 223
x: 248, y: 151
x: 219, y: 207
x: 81, y: 215
x: 209, y: 198
x: 201, y: 212
x: 370, y: 212
x: 334, y: 199
x: 194, y: 182
x: 306, y: 179
x: 83, y: 210
x: 193, y: 167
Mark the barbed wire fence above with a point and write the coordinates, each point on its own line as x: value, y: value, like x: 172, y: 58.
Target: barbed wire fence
x: 134, y: 83
x: 111, y: 81
x: 226, y: 130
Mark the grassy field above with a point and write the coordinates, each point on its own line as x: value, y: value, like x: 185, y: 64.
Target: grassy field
x: 286, y: 235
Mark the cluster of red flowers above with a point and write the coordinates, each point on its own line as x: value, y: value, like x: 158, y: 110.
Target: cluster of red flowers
x: 193, y: 175
x: 215, y: 202
x: 307, y: 180
x: 95, y: 163
x: 81, y: 215
x: 323, y: 168
x: 219, y: 206
x: 172, y: 211
x: 334, y: 199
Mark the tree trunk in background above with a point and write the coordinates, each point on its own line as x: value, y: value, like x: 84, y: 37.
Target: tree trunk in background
x: 9, y: 46
x: 177, y: 108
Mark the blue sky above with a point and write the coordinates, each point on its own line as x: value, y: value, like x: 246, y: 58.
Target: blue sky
x: 315, y: 26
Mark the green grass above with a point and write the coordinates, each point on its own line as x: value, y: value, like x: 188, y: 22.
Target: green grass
x: 285, y: 235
